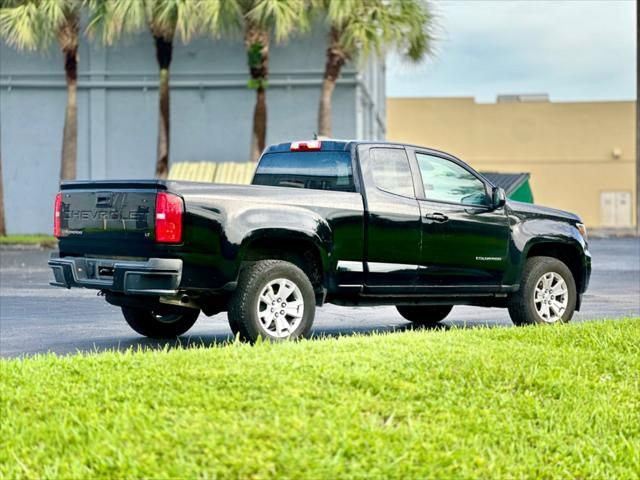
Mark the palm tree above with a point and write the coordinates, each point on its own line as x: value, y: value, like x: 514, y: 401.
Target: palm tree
x: 261, y: 18
x: 33, y: 25
x: 362, y: 27
x: 258, y: 20
x: 164, y: 19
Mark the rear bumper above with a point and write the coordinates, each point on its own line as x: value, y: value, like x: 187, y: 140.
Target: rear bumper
x: 155, y: 276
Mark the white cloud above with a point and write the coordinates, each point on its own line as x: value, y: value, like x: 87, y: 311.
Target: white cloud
x: 572, y: 50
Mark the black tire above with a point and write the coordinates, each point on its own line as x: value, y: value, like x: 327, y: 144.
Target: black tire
x: 424, y: 315
x: 166, y: 323
x: 523, y: 309
x: 235, y: 329
x: 245, y: 302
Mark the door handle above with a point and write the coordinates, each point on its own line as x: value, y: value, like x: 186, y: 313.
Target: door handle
x: 437, y: 217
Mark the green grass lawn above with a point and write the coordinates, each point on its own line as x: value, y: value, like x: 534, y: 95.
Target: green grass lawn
x: 557, y: 402
x: 43, y: 240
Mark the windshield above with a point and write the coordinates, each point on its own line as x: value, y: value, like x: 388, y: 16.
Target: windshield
x: 321, y: 170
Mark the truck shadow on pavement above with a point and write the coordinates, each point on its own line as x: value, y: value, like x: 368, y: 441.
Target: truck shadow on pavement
x: 221, y: 340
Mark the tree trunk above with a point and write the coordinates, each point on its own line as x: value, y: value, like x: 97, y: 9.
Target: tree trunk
x: 164, y: 51
x: 259, y: 134
x: 325, y: 111
x: 68, y: 38
x: 256, y: 42
x: 3, y: 230
x: 336, y: 58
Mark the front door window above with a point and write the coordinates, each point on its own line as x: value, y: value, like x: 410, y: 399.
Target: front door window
x: 446, y: 181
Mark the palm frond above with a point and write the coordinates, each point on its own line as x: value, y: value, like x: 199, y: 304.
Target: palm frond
x: 283, y: 16
x: 219, y: 17
x: 18, y: 26
x: 33, y: 24
x: 340, y: 12
x: 181, y: 16
x: 416, y: 35
x: 111, y: 19
x: 54, y: 12
x: 372, y: 26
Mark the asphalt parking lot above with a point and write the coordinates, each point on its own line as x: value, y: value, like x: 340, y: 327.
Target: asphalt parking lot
x: 38, y: 318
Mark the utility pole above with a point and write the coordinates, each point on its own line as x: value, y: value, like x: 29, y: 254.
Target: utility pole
x: 637, y: 117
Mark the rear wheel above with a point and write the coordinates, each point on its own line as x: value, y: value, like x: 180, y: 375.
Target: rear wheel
x: 274, y: 300
x: 160, y: 323
x: 235, y: 329
x: 424, y: 315
x: 547, y: 293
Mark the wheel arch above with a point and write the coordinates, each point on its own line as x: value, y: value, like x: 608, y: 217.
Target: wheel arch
x: 302, y: 248
x: 569, y: 253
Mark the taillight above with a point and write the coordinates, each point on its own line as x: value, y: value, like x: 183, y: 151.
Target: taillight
x: 169, y: 210
x: 57, y: 212
x: 309, y: 145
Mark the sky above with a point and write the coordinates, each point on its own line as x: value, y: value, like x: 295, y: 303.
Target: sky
x: 572, y: 50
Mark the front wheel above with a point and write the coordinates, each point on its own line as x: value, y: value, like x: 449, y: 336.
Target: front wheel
x: 547, y: 293
x: 424, y: 315
x: 274, y: 300
x: 160, y: 323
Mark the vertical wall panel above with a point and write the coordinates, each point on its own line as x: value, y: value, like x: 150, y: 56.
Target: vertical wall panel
x: 211, y: 111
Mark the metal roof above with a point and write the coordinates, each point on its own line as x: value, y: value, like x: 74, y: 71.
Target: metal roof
x: 509, y: 181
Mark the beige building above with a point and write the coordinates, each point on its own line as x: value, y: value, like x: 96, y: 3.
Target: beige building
x: 581, y: 156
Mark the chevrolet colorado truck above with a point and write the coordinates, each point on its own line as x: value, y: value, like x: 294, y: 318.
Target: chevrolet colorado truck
x: 342, y: 222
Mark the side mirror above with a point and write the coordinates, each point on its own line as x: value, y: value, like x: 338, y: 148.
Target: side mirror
x: 499, y: 197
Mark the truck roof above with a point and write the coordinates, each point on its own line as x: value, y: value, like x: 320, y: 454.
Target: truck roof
x: 333, y: 144
x: 326, y: 145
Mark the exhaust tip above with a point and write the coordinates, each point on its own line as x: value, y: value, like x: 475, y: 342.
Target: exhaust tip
x: 185, y: 299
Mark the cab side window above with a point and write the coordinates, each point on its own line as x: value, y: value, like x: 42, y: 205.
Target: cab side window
x: 446, y: 181
x: 391, y: 171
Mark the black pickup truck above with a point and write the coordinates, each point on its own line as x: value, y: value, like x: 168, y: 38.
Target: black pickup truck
x: 343, y: 222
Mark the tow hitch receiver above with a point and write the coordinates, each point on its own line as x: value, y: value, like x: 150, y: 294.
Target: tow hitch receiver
x: 105, y: 271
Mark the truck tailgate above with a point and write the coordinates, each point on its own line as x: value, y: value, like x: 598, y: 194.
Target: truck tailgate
x: 108, y: 212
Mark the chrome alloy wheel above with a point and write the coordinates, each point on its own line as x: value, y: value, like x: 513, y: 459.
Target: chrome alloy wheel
x: 551, y: 297
x: 280, y: 308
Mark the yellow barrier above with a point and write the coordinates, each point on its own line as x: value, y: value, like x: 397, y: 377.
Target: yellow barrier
x: 223, y: 172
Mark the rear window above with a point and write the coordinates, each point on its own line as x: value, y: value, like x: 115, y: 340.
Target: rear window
x: 313, y: 170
